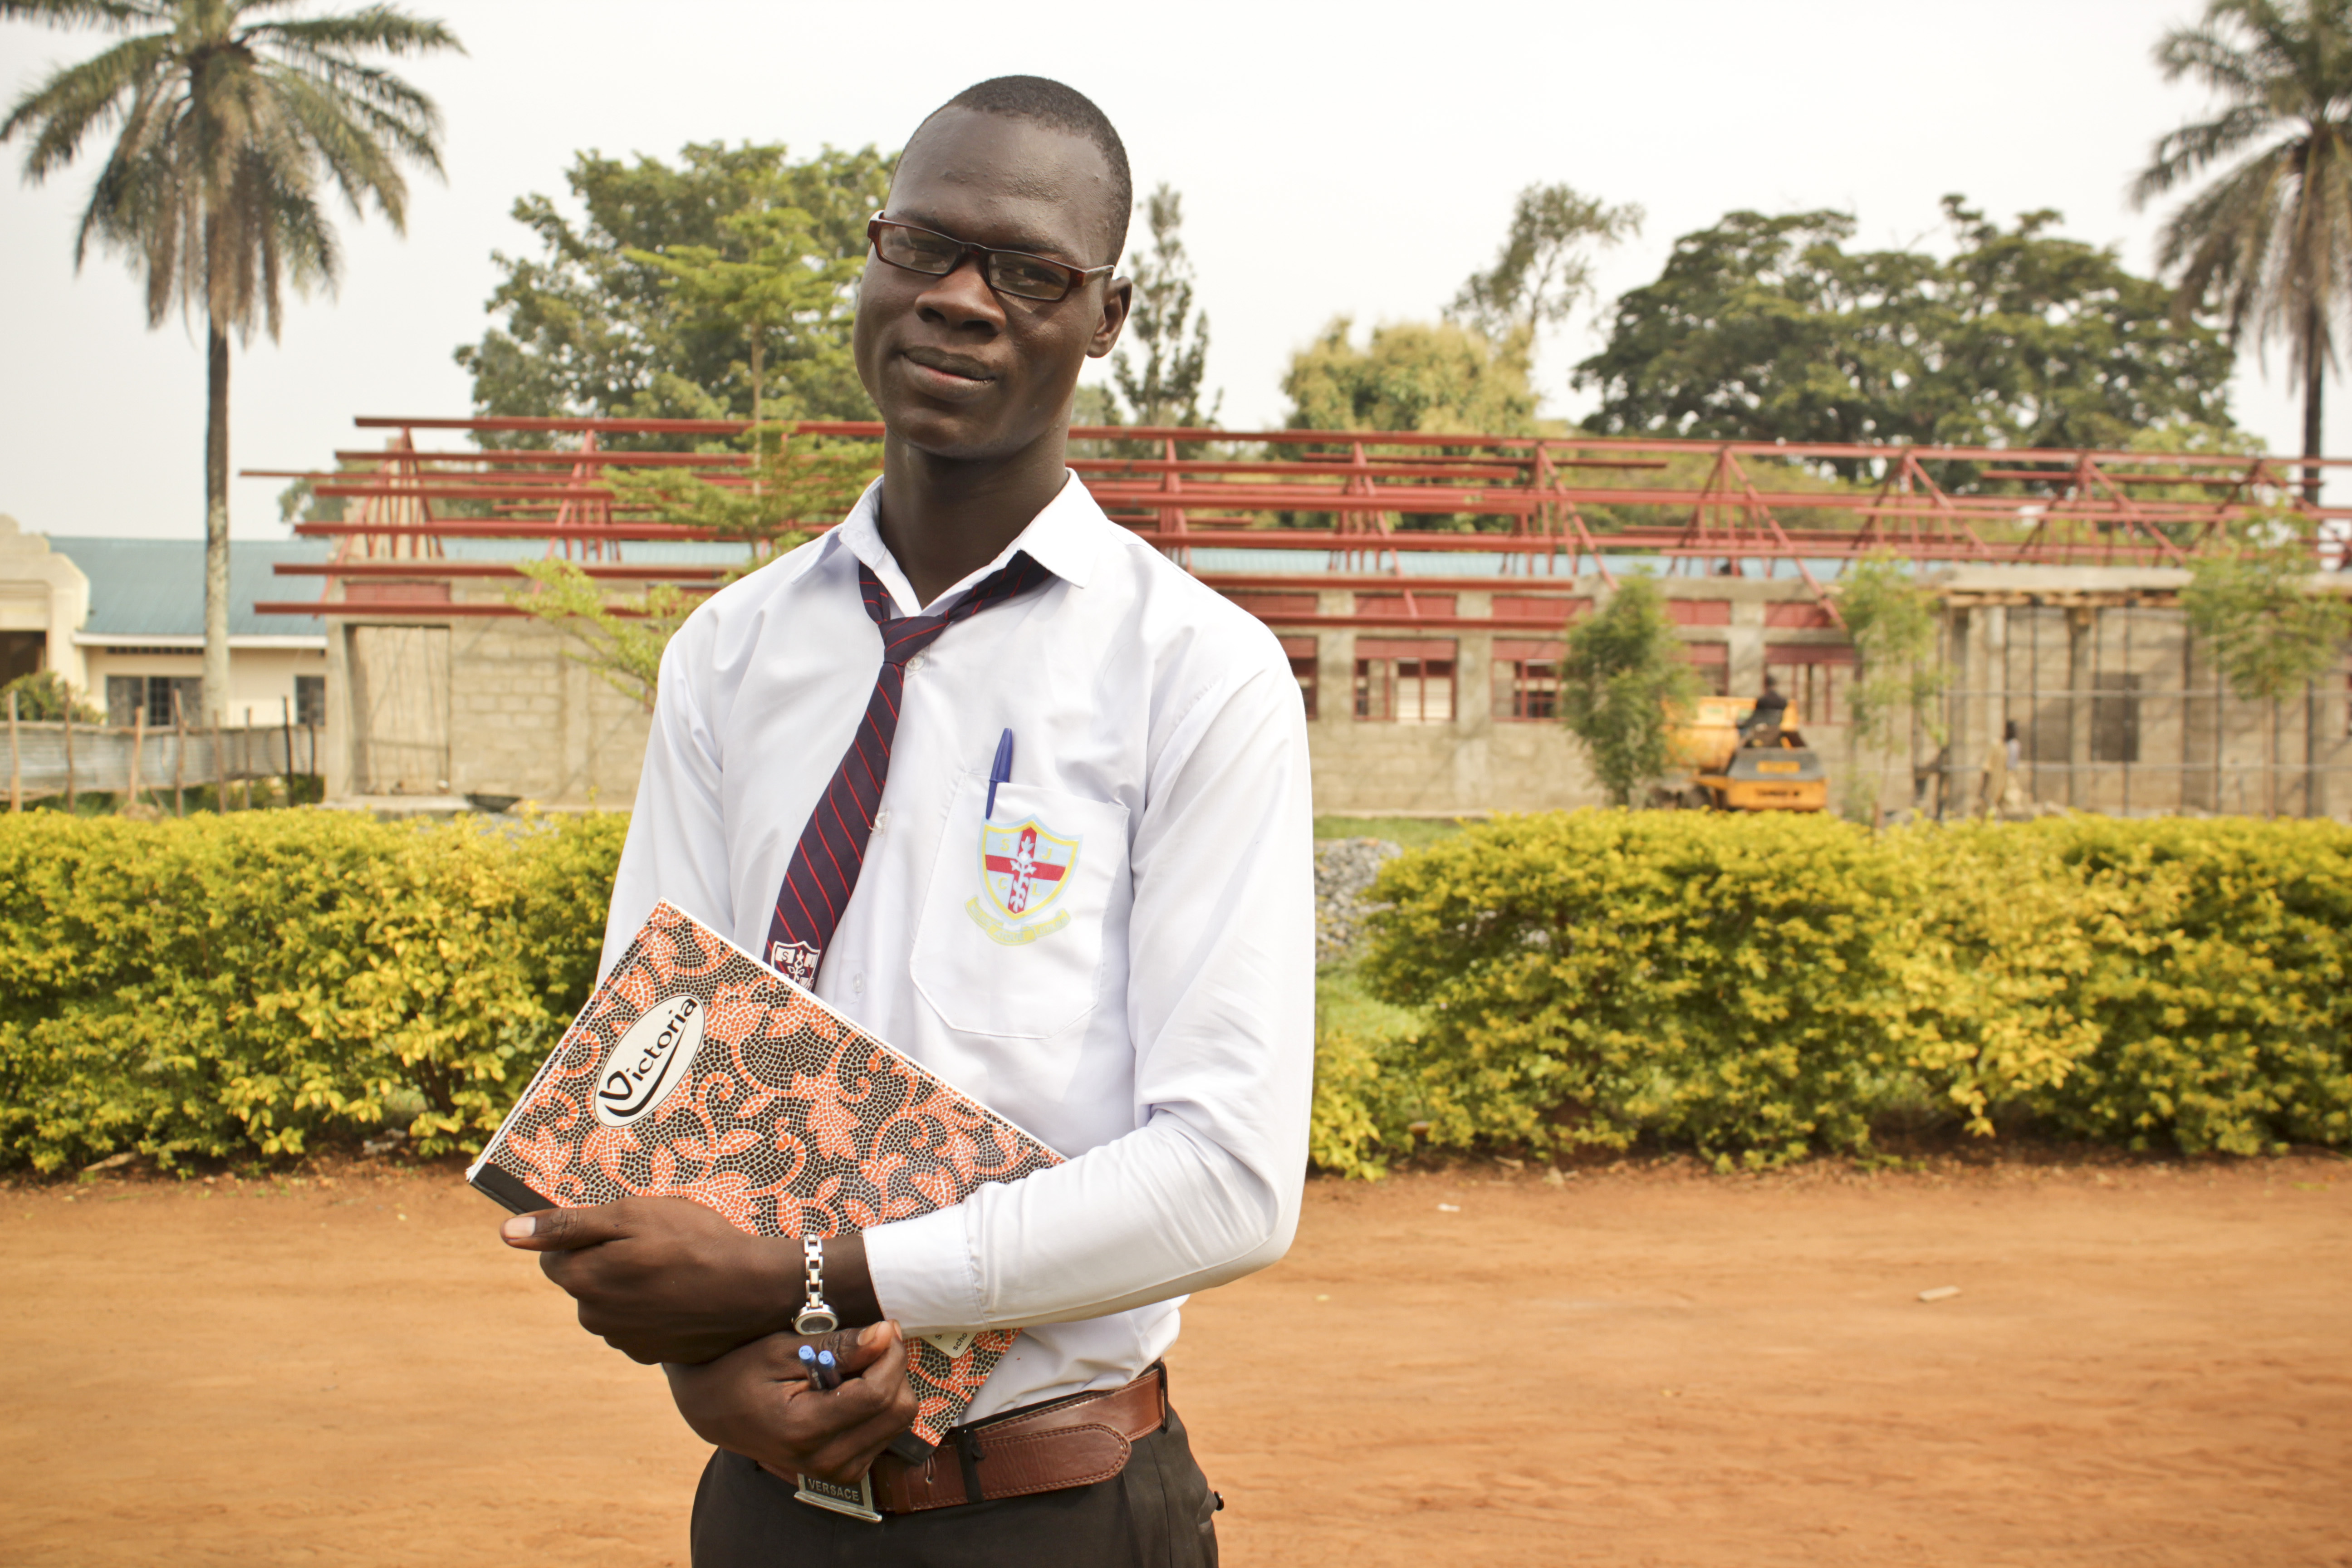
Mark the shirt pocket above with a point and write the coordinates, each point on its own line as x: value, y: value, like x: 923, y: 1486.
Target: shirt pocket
x: 1011, y: 938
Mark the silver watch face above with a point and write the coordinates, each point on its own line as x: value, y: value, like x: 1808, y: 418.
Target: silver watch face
x: 816, y: 1320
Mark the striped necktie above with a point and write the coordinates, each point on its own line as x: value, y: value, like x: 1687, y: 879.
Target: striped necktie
x: 832, y: 849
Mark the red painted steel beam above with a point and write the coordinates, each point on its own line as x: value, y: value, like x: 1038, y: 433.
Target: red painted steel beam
x: 436, y: 571
x: 1563, y: 586
x: 600, y: 459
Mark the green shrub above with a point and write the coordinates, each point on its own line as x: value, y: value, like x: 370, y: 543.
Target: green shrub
x: 2219, y: 1001
x: 1365, y: 1092
x: 1758, y: 988
x: 242, y: 984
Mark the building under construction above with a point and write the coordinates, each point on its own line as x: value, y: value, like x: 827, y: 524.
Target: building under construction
x: 1421, y: 585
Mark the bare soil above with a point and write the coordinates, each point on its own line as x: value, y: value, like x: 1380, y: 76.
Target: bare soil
x: 2146, y: 1364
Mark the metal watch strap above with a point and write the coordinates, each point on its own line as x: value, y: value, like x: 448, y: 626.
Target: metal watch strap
x: 814, y: 1317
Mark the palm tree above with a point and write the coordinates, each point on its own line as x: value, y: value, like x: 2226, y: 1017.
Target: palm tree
x: 2270, y: 244
x: 231, y: 120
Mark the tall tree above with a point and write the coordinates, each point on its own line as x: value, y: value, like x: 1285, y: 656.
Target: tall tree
x: 597, y: 323
x: 1412, y: 375
x: 1766, y: 328
x: 1175, y: 341
x: 1624, y: 683
x: 781, y: 283
x: 2269, y: 243
x: 231, y: 125
x: 1546, y: 263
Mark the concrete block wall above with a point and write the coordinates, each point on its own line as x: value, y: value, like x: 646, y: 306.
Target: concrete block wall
x: 1479, y: 763
x: 528, y: 720
x: 524, y: 719
x: 2120, y: 711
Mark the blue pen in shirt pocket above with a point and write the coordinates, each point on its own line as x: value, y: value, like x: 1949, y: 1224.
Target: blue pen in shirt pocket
x: 999, y: 772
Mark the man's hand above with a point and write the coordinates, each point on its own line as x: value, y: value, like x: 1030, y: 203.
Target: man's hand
x: 666, y: 1279
x: 757, y: 1401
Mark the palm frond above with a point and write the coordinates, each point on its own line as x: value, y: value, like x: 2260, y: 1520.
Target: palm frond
x: 2220, y: 241
x: 76, y: 99
x: 384, y: 28
x: 2215, y: 60
x: 357, y: 160
x: 2181, y: 154
x: 113, y: 16
x: 230, y: 119
x: 409, y: 129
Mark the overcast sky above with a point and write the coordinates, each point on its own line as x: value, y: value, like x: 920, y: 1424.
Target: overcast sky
x: 1356, y: 159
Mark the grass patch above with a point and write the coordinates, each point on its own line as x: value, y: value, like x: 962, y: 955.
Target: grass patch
x: 1413, y: 832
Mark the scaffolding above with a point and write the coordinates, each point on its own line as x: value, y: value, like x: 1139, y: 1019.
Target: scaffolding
x: 2060, y: 572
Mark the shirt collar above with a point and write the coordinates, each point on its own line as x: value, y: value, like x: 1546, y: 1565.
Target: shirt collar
x: 1065, y: 538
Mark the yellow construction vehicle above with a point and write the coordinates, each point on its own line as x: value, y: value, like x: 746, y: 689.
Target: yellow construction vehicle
x: 1770, y: 769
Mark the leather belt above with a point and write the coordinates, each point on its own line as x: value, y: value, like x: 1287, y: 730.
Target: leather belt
x: 1072, y: 1442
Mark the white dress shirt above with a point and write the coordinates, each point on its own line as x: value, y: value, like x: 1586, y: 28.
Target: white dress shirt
x: 1152, y: 1018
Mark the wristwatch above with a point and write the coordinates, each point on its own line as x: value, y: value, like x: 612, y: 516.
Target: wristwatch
x: 814, y: 1317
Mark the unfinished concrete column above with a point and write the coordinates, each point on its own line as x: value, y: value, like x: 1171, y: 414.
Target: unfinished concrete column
x: 1958, y: 785
x: 1335, y: 661
x: 1473, y: 707
x: 1744, y: 668
x: 2082, y: 629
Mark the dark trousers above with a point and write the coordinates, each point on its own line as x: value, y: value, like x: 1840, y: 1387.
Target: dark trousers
x: 1159, y: 1513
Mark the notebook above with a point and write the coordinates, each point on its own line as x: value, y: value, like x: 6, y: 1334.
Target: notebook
x: 697, y: 1071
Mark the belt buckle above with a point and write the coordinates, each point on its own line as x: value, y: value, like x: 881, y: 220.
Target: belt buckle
x: 856, y: 1502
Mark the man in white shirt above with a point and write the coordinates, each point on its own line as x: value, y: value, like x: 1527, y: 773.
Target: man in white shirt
x: 1109, y: 940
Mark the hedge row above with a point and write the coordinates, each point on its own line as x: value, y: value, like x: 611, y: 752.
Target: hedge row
x: 1754, y: 988
x: 245, y: 984
x: 1758, y: 988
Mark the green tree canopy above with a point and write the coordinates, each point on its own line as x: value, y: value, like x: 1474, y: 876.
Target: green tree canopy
x: 1412, y: 376
x: 598, y: 323
x: 1766, y: 328
x: 1546, y: 264
x: 1623, y: 684
x: 1166, y: 390
x: 2254, y: 605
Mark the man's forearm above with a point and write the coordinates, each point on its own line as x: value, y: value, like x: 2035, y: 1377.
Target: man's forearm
x: 1159, y: 1213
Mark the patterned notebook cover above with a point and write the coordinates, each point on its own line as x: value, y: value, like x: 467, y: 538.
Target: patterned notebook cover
x: 696, y: 1071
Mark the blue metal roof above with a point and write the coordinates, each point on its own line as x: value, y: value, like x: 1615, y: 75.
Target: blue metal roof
x: 155, y: 587
x: 644, y: 551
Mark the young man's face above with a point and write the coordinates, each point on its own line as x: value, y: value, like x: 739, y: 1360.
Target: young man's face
x: 956, y: 368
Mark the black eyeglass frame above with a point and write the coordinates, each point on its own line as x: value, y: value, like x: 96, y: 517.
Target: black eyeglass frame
x: 1075, y: 278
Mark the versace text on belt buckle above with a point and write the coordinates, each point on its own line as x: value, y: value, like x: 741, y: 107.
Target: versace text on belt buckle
x: 856, y: 1502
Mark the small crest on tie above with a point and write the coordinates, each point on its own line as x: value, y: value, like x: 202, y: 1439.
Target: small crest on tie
x: 795, y: 961
x: 1024, y: 868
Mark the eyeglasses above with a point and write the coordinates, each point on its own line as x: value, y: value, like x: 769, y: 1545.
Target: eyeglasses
x: 1013, y: 272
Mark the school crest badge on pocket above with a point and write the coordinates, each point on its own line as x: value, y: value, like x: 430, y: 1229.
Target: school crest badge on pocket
x: 1023, y: 869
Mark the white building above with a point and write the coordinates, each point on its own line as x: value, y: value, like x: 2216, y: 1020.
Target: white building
x: 123, y: 620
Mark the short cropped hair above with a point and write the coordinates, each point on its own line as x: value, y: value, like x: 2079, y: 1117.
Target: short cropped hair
x: 1050, y: 103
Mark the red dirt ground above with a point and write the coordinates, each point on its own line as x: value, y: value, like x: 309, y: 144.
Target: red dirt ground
x: 2147, y: 1364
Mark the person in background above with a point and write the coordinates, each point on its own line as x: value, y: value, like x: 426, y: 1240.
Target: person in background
x: 1766, y: 716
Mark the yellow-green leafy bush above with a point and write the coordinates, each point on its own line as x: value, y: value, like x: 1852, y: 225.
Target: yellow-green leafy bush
x: 1759, y: 987
x: 228, y: 986
x: 2219, y: 999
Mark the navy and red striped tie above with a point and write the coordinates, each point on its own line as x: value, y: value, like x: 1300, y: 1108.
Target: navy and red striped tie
x: 825, y: 863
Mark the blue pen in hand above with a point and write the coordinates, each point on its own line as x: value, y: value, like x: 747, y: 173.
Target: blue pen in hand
x: 1000, y: 771
x: 822, y: 1373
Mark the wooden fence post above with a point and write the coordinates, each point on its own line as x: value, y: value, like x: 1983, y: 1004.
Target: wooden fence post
x: 69, y: 760
x: 16, y: 764
x: 220, y: 770
x: 285, y: 727
x: 137, y: 749
x: 179, y: 756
